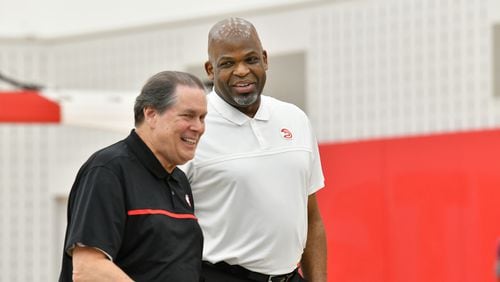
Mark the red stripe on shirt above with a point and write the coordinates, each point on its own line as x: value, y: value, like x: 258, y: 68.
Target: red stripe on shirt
x: 162, y: 212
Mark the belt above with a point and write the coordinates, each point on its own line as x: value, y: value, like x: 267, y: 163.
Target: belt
x: 242, y: 272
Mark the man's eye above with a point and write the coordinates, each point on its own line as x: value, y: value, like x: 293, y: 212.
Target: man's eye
x: 253, y: 60
x: 225, y: 64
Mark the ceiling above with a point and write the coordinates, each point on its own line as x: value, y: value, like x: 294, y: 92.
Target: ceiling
x: 55, y: 18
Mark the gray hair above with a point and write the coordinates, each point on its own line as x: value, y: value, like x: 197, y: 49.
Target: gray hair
x: 159, y: 92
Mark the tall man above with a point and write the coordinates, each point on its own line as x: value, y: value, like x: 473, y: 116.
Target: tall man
x: 256, y: 171
x: 130, y: 211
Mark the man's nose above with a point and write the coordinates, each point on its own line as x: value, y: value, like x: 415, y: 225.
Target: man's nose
x: 241, y: 69
x: 198, y: 125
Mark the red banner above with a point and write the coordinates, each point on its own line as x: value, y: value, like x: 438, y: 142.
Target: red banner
x: 28, y: 107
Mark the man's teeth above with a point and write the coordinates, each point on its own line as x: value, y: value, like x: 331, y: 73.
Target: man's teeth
x: 189, y: 140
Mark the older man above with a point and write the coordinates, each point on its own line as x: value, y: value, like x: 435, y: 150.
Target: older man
x: 130, y: 212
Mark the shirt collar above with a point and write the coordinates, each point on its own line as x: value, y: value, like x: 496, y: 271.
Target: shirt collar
x: 146, y: 156
x: 232, y: 114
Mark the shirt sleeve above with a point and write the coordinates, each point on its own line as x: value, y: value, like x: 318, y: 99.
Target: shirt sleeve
x: 97, y: 213
x: 317, y: 179
x: 78, y: 244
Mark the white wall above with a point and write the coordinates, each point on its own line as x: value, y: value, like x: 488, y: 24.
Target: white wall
x: 37, y: 166
x: 392, y: 68
x: 23, y: 61
x: 49, y: 18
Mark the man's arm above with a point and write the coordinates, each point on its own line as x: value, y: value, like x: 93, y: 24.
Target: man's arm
x: 90, y: 264
x: 313, y: 262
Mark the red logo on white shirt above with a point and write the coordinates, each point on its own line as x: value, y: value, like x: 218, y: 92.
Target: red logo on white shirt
x: 285, y: 133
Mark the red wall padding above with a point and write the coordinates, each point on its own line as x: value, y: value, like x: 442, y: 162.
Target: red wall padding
x: 419, y: 209
x: 28, y: 107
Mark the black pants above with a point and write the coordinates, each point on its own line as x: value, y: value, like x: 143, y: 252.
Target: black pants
x: 212, y: 274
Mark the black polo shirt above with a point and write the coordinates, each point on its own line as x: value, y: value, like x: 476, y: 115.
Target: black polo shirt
x: 126, y: 204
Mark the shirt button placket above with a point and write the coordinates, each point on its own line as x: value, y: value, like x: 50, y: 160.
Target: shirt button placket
x: 255, y: 129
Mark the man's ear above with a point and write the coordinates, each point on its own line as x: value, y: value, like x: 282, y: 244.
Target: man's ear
x: 264, y: 58
x: 209, y: 69
x: 150, y: 115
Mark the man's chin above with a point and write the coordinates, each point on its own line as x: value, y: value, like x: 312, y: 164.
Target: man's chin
x: 189, y: 157
x: 244, y: 100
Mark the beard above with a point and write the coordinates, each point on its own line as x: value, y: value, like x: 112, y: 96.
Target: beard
x: 246, y: 100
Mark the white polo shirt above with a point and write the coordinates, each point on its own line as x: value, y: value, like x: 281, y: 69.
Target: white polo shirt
x: 251, y: 178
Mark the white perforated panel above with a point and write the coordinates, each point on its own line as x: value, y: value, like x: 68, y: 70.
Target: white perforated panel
x: 400, y: 67
x: 119, y: 62
x: 24, y: 62
x: 37, y: 166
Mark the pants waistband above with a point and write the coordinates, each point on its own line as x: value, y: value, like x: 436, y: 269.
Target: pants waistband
x: 242, y: 272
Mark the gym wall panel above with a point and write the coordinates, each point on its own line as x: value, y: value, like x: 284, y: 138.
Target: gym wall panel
x: 116, y: 62
x: 24, y: 61
x: 399, y: 68
x: 413, y: 208
x: 38, y: 163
